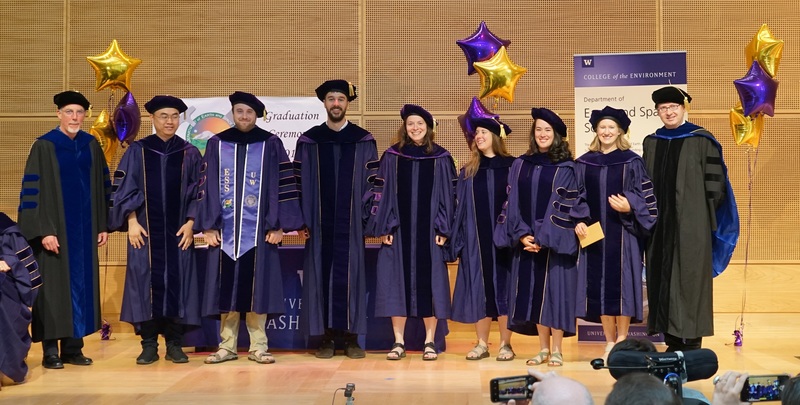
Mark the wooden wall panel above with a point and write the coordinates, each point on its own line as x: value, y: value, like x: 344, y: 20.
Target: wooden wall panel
x: 400, y: 52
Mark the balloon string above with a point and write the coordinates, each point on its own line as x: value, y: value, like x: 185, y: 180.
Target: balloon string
x: 751, y: 166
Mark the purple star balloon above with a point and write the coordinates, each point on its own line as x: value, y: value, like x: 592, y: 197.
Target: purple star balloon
x: 757, y: 91
x: 480, y: 46
x: 476, y: 110
x: 127, y: 119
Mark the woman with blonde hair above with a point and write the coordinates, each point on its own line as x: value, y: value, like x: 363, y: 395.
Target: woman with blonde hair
x: 481, y: 289
x: 615, y: 191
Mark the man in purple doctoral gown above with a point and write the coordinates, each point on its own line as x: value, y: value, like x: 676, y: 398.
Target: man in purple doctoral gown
x: 335, y: 163
x: 154, y: 201
x: 63, y: 212
x: 247, y: 198
x: 19, y: 283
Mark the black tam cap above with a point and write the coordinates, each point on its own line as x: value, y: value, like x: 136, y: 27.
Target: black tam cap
x: 71, y: 97
x: 412, y: 109
x: 614, y: 114
x: 494, y: 126
x: 159, y: 102
x: 341, y: 86
x: 240, y: 97
x: 671, y: 94
x: 551, y: 118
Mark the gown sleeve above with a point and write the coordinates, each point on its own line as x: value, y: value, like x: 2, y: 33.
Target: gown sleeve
x: 383, y: 214
x: 639, y: 192
x: 557, y: 230
x: 126, y: 193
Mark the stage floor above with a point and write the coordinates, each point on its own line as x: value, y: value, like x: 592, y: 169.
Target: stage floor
x: 770, y: 345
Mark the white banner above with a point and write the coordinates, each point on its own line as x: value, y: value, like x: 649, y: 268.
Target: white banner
x: 287, y: 117
x: 624, y: 81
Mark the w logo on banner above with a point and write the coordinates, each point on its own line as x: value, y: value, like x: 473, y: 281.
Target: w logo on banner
x: 588, y: 61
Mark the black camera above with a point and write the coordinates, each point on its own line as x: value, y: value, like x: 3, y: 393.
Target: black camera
x: 506, y: 388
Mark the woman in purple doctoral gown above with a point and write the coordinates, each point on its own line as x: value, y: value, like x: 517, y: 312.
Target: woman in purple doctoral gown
x: 542, y: 189
x: 481, y: 290
x: 413, y: 204
x: 615, y: 191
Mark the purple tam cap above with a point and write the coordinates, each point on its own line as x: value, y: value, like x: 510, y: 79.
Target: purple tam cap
x: 551, y: 118
x: 159, y: 102
x: 615, y: 114
x: 413, y: 109
x: 494, y: 126
x: 240, y: 97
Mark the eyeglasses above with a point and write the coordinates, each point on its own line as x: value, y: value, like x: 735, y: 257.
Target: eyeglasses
x: 70, y: 113
x: 670, y: 108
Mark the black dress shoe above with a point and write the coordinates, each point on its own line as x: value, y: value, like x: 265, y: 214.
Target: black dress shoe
x: 326, y: 350
x: 76, y: 359
x: 176, y: 354
x: 52, y: 361
x: 149, y: 355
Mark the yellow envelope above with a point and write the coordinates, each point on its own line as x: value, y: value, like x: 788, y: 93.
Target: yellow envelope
x: 593, y: 233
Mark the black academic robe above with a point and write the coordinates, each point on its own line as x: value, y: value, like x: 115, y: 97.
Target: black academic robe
x: 690, y: 183
x: 247, y: 188
x: 413, y: 200
x: 65, y: 192
x: 158, y: 181
x: 18, y: 288
x: 334, y: 171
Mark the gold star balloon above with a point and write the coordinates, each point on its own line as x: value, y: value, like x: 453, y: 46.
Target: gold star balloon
x: 113, y: 68
x: 746, y: 129
x: 103, y: 131
x: 766, y: 50
x: 499, y: 75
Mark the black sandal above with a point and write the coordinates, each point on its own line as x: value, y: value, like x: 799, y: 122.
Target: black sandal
x: 429, y: 355
x: 396, y: 354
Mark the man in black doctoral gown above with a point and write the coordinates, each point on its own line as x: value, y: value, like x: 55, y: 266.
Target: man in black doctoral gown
x: 697, y: 225
x: 63, y: 212
x: 335, y: 163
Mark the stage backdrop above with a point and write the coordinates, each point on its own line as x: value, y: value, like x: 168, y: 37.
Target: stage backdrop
x: 624, y: 81
x: 287, y: 117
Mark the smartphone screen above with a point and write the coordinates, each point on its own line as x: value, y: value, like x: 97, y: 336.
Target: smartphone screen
x: 505, y: 388
x: 763, y: 388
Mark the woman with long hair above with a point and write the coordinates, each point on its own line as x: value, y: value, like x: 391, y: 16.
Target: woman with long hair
x: 412, y: 207
x: 481, y: 290
x: 615, y: 191
x: 542, y: 188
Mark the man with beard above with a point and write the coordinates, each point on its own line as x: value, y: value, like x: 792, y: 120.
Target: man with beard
x: 335, y: 163
x: 63, y: 212
x: 247, y: 198
x: 154, y: 201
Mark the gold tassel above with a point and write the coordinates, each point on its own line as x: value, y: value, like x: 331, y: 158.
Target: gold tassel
x: 89, y: 112
x: 350, y: 89
x: 265, y: 115
x: 502, y: 129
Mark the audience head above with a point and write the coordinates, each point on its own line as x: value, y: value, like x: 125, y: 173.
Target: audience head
x: 641, y: 389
